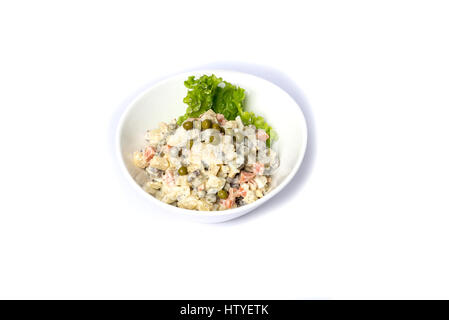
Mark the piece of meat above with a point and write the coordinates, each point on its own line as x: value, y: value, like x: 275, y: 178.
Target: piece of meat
x: 169, y: 178
x: 258, y: 168
x: 262, y: 135
x: 221, y: 118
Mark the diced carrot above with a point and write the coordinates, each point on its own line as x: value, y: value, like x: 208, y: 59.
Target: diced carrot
x: 230, y: 200
x: 149, y: 153
x: 246, y: 176
x: 242, y: 192
x: 227, y: 203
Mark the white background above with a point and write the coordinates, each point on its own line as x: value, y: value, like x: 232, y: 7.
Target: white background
x: 366, y: 217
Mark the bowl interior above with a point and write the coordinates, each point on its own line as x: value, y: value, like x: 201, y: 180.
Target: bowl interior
x: 163, y: 102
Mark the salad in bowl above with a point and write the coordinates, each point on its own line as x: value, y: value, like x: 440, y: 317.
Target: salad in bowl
x: 217, y: 156
x: 206, y: 149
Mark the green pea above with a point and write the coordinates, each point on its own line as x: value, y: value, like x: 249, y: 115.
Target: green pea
x: 190, y: 143
x: 211, y: 139
x: 206, y: 124
x: 222, y: 194
x: 188, y: 125
x: 182, y: 171
x: 216, y: 126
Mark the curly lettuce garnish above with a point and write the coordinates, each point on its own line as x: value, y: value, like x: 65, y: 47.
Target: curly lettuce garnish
x: 260, y: 123
x: 200, y: 96
x: 210, y: 92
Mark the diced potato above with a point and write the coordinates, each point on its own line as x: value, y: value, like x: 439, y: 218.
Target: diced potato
x: 167, y: 199
x: 239, y: 122
x: 221, y: 174
x: 203, y: 206
x: 197, y: 124
x: 193, y: 167
x: 179, y: 138
x: 188, y: 203
x: 139, y: 160
x: 163, y: 127
x: 159, y: 163
x: 213, y: 169
x: 155, y: 184
x: 209, y: 114
x: 173, y: 162
x: 154, y: 136
x: 231, y: 124
x: 233, y: 171
x: 169, y: 194
x: 148, y: 188
x: 182, y: 192
x: 250, y: 197
x: 261, y: 181
x: 215, y: 182
x: 182, y: 181
x: 252, y: 185
x: 158, y: 195
x: 225, y: 169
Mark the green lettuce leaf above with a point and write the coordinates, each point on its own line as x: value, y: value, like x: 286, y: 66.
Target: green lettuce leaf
x: 210, y: 92
x: 200, y: 96
x: 228, y: 100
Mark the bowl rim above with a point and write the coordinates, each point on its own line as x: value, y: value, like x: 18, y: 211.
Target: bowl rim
x: 197, y: 213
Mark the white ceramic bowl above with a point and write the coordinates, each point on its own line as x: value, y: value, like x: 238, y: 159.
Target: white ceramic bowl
x: 163, y: 102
